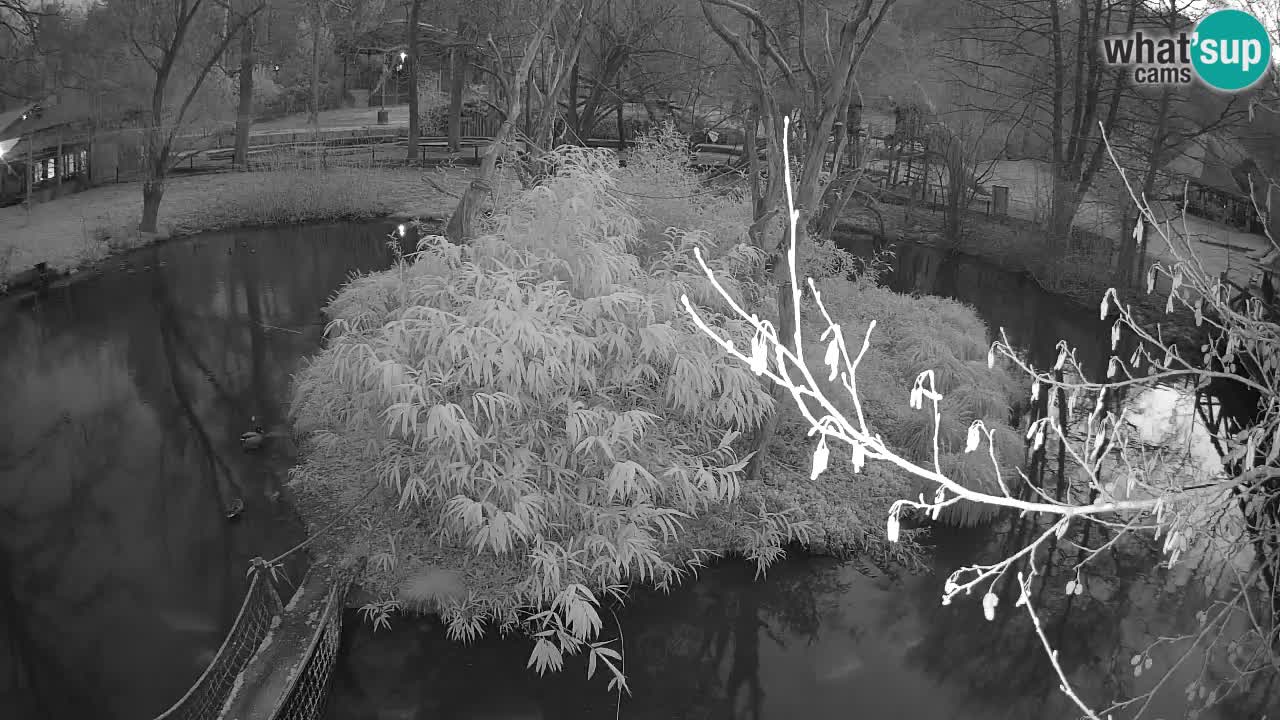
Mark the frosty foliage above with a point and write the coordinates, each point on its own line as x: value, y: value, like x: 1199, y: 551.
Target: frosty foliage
x: 553, y: 424
x: 541, y: 395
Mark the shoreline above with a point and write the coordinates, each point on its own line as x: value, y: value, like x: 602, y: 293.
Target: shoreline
x: 29, y: 283
x: 256, y: 200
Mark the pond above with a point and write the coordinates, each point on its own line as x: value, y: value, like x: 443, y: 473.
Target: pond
x: 123, y: 399
x: 822, y: 639
x: 124, y: 396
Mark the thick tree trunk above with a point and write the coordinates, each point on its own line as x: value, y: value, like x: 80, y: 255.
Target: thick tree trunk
x: 457, y: 79
x: 152, y: 194
x: 1132, y: 257
x: 786, y: 330
x: 313, y: 118
x: 572, y: 114
x: 1063, y: 204
x: 244, y: 112
x: 622, y: 126
x: 414, y: 8
x: 462, y: 223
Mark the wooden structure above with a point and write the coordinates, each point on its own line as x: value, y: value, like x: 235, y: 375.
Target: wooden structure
x: 909, y: 150
x: 44, y: 153
x: 1220, y: 192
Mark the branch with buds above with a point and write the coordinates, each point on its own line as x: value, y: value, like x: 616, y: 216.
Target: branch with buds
x: 1167, y: 504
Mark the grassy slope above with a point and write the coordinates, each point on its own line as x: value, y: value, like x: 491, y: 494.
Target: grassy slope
x: 87, y: 226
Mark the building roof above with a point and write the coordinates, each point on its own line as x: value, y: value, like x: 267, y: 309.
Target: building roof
x: 1218, y: 165
x: 10, y: 118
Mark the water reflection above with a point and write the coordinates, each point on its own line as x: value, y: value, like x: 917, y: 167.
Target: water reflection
x: 820, y: 639
x: 1034, y: 320
x: 123, y: 399
x: 824, y: 639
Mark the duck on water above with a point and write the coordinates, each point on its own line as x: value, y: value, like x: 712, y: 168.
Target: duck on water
x: 250, y: 441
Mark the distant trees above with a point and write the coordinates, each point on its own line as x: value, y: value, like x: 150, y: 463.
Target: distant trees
x: 1115, y: 486
x: 1037, y: 60
x: 518, y: 95
x: 180, y: 41
x: 798, y: 63
x: 19, y: 54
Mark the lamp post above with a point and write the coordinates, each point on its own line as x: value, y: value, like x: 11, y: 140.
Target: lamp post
x: 399, y: 68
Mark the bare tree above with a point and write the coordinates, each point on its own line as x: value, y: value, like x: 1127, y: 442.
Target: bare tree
x: 816, y: 81
x: 1038, y: 61
x: 162, y: 33
x: 244, y: 110
x: 624, y: 32
x: 1118, y: 488
x: 510, y: 81
x: 317, y: 19
x: 20, y: 48
x: 411, y: 60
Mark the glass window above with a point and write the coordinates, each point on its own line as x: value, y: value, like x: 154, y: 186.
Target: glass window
x: 50, y: 170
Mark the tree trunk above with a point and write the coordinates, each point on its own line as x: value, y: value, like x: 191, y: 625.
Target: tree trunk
x: 244, y: 113
x: 1132, y: 257
x: 1063, y: 205
x: 457, y: 79
x: 753, y: 163
x: 313, y: 118
x: 152, y: 194
x: 786, y: 330
x: 622, y: 126
x: 572, y: 114
x: 461, y: 225
x: 414, y: 7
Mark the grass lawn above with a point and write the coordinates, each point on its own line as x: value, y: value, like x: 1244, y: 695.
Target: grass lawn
x: 85, y: 227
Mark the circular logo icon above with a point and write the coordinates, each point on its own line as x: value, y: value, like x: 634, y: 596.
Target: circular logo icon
x: 1232, y: 50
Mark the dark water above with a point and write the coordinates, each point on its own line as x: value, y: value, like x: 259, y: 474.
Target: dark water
x: 828, y: 640
x: 1034, y: 320
x: 122, y: 399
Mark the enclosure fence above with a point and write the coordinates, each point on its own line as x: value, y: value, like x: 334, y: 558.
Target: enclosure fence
x: 304, y: 698
x: 206, y: 697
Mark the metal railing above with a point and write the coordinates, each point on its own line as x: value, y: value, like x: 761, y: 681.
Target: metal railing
x: 309, y: 688
x: 210, y: 691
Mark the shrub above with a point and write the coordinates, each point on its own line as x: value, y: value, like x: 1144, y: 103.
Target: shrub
x: 913, y: 334
x: 549, y: 421
x: 297, y: 195
x: 540, y: 398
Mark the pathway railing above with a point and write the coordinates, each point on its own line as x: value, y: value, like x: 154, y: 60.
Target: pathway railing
x: 206, y: 697
x: 309, y: 689
x: 304, y: 696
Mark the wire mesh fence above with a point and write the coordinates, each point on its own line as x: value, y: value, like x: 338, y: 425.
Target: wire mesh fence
x: 207, y: 695
x: 306, y: 698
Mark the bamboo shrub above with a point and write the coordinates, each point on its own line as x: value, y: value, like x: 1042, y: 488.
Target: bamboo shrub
x: 539, y: 397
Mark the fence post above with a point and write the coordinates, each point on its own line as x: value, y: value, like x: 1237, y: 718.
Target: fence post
x: 274, y: 602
